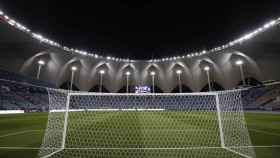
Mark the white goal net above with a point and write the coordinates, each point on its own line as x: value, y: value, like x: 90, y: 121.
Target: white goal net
x: 194, y: 125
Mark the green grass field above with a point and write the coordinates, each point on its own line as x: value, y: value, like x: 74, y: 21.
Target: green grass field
x: 21, y: 135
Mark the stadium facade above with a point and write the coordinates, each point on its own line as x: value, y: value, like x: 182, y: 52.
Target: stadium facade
x: 21, y: 52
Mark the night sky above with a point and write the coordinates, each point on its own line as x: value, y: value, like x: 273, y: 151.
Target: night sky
x: 141, y: 30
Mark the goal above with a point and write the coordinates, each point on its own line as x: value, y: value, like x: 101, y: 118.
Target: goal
x: 192, y: 125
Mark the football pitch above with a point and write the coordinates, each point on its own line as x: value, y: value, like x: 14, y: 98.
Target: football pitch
x: 125, y: 134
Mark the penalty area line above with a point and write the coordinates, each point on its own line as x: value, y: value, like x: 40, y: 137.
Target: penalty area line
x: 256, y: 146
x: 18, y: 133
x: 20, y: 148
x: 264, y: 132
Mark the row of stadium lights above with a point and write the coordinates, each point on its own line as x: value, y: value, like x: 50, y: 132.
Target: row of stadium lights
x: 41, y: 38
x: 179, y: 72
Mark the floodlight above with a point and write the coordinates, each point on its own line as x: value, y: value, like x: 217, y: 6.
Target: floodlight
x: 38, y: 36
x: 41, y: 62
x: 239, y: 62
x: 127, y: 73
x: 74, y: 68
x: 269, y: 24
x: 206, y: 68
x: 152, y: 73
x: 1, y: 12
x: 102, y: 71
x: 179, y: 72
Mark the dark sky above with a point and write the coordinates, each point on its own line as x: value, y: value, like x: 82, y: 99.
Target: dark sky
x: 141, y: 30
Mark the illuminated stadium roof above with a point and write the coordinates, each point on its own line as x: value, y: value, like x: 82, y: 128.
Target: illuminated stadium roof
x: 22, y: 49
x: 42, y: 39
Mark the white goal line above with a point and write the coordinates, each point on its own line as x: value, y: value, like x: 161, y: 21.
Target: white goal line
x: 186, y: 148
x: 104, y: 110
x: 236, y: 152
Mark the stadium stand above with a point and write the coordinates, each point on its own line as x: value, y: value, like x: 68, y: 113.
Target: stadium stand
x: 262, y: 98
x: 16, y: 96
x: 19, y: 92
x: 6, y: 75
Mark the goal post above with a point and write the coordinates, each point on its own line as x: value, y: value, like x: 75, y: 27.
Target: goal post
x: 220, y: 121
x: 54, y: 132
x: 146, y: 125
x: 65, y: 122
x: 233, y: 124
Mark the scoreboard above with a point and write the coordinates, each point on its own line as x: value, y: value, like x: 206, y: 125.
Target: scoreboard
x: 142, y: 89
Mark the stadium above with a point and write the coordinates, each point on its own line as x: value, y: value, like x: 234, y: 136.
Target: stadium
x: 57, y: 101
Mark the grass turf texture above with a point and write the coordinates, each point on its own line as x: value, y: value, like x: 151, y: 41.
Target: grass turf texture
x: 135, y: 130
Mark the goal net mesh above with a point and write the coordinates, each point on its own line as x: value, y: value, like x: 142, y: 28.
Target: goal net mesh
x: 192, y: 125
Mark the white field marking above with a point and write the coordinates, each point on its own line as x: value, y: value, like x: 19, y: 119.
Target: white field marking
x: 3, y: 112
x: 18, y: 133
x: 151, y: 130
x: 238, y: 153
x: 51, y: 154
x: 263, y: 112
x: 173, y: 130
x: 256, y: 146
x: 106, y: 110
x: 264, y: 132
x: 183, y: 148
x: 186, y: 148
x: 19, y: 148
